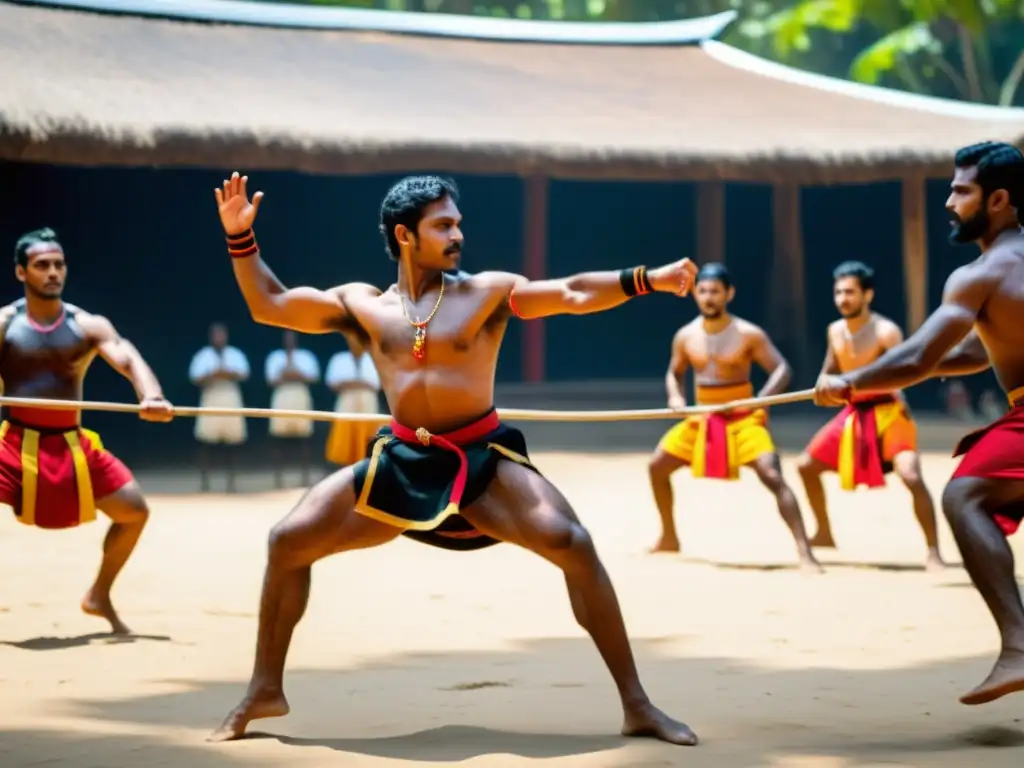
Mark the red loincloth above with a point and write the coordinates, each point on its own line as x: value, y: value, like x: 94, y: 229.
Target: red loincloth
x: 52, y: 476
x: 856, y: 445
x: 996, y: 452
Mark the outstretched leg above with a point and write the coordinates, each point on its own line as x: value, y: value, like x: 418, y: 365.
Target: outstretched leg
x: 769, y: 471
x: 969, y: 504
x: 128, y: 514
x: 810, y: 472
x: 523, y: 508
x: 660, y: 468
x: 323, y: 522
x: 907, y: 465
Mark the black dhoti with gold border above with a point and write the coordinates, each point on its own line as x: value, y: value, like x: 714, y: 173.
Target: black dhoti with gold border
x: 419, y: 481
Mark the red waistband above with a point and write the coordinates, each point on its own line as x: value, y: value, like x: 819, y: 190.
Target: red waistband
x: 43, y: 418
x: 470, y: 433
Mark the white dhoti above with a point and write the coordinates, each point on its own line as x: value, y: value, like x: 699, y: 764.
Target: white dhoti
x: 221, y: 429
x: 348, y: 440
x: 291, y: 396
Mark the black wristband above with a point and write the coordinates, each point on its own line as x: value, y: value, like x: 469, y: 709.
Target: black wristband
x: 240, y: 236
x: 628, y: 283
x: 241, y: 245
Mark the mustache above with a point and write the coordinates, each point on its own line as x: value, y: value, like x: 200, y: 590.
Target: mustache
x: 453, y: 248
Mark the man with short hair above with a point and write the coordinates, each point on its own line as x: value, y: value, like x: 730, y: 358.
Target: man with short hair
x: 874, y: 434
x: 977, y: 325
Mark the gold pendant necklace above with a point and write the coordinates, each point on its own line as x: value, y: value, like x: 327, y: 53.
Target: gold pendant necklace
x: 419, y: 342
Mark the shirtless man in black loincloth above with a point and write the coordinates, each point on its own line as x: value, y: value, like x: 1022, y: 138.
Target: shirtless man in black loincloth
x: 446, y: 471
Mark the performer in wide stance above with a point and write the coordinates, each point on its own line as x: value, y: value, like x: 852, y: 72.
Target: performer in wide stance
x: 874, y: 434
x: 54, y: 474
x: 446, y: 471
x: 984, y: 500
x: 721, y: 348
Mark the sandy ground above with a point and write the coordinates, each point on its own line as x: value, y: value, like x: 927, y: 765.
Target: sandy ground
x: 410, y: 655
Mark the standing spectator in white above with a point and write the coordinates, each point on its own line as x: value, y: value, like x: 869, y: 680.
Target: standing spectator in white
x: 289, y: 372
x: 217, y: 369
x: 353, y: 378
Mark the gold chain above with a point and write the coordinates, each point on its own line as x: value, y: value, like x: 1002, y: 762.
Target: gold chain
x: 419, y: 344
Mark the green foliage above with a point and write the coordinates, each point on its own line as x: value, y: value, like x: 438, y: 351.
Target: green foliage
x: 884, y: 55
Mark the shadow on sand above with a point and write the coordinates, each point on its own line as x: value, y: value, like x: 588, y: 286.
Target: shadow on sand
x: 555, y: 701
x: 45, y: 643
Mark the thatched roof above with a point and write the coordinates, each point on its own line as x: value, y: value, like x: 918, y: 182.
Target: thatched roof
x: 88, y: 88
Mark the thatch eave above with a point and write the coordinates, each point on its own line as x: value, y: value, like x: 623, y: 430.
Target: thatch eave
x: 129, y: 91
x: 182, y: 149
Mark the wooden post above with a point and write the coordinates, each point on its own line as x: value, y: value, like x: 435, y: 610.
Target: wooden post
x: 788, y: 301
x: 710, y: 222
x: 535, y: 267
x: 915, y: 251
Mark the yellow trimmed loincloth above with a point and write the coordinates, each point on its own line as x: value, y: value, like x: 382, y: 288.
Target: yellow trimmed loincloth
x: 717, y: 445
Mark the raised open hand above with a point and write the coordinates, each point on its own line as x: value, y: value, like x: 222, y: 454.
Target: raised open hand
x: 236, y: 212
x: 676, y: 278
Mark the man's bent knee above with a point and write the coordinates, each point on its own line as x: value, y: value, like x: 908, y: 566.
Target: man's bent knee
x: 567, y: 543
x: 769, y: 472
x: 908, y: 468
x: 126, y: 505
x: 959, y: 493
x: 808, y: 466
x: 663, y: 464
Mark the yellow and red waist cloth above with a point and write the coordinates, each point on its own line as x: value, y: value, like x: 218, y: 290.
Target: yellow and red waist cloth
x: 716, y: 445
x: 52, y: 472
x: 861, y: 440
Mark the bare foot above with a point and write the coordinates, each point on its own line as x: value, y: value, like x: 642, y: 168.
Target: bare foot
x: 808, y: 564
x: 96, y: 604
x: 253, y: 707
x: 823, y: 540
x: 934, y: 563
x: 665, y: 544
x: 650, y: 722
x: 1007, y: 676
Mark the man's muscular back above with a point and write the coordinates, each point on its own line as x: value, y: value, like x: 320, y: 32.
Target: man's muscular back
x: 724, y: 357
x: 854, y: 350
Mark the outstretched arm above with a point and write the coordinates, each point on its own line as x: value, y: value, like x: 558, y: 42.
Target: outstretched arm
x: 587, y: 292
x: 772, y: 362
x: 915, y: 359
x: 124, y: 358
x: 966, y: 358
x: 303, y: 309
x: 677, y: 365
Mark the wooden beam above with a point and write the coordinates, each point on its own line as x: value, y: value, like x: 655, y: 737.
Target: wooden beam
x: 788, y: 301
x: 535, y: 267
x: 915, y: 251
x: 710, y: 222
